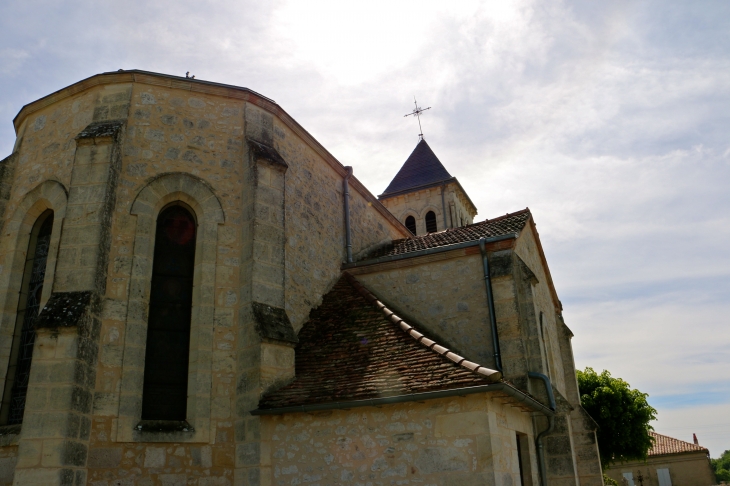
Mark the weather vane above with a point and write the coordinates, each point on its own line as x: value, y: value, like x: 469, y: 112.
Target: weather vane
x: 418, y: 112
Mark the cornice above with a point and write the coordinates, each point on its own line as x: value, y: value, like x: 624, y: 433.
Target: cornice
x: 211, y: 88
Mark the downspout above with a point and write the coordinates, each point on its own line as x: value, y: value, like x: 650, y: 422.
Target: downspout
x: 490, y: 303
x: 551, y: 424
x: 443, y: 205
x: 346, y: 194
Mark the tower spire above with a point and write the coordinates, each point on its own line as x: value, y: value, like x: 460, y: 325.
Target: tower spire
x: 417, y: 112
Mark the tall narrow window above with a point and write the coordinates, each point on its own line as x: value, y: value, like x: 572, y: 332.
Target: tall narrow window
x: 165, y: 392
x: 523, y: 459
x: 411, y: 224
x: 21, y: 353
x: 431, y: 222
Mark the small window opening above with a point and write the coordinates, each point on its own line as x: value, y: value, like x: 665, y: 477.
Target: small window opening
x: 431, y: 222
x: 165, y: 390
x: 411, y: 224
x: 523, y: 459
x: 21, y: 352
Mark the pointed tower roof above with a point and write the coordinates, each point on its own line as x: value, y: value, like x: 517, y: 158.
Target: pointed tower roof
x: 422, y: 168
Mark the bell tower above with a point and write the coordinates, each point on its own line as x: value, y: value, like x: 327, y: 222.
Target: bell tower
x: 425, y: 197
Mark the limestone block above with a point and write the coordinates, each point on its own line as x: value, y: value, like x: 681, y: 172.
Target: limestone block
x: 29, y: 453
x: 105, y: 457
x: 154, y: 457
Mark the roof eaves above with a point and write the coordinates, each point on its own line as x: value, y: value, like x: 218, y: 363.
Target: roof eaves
x: 503, y: 387
x: 400, y: 192
x: 428, y: 251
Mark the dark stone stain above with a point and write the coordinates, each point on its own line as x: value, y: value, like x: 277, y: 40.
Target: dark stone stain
x: 101, y: 129
x: 64, y: 309
x: 273, y: 323
x: 267, y: 153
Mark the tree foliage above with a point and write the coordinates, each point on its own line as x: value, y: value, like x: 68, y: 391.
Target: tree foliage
x: 622, y: 414
x: 721, y: 466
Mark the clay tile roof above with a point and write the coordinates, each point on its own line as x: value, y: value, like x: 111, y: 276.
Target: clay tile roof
x: 355, y: 348
x: 503, y: 225
x: 669, y: 445
x: 420, y: 169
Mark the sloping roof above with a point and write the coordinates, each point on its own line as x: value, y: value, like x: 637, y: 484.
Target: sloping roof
x: 354, y: 348
x: 668, y: 445
x: 503, y: 225
x: 420, y: 169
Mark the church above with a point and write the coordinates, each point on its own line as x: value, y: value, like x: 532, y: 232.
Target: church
x: 195, y: 292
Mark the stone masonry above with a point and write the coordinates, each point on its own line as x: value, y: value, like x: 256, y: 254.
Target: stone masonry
x: 107, y: 155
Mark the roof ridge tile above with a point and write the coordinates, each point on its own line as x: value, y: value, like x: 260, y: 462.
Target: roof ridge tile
x: 493, y: 375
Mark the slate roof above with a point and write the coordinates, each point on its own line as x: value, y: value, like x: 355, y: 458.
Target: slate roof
x: 354, y: 348
x: 668, y: 445
x: 503, y: 225
x: 422, y: 168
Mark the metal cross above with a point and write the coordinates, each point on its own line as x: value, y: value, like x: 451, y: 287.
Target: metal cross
x: 418, y: 112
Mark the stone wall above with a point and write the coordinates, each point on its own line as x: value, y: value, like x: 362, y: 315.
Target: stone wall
x: 689, y: 469
x: 445, y: 296
x: 418, y: 203
x: 315, y: 223
x: 189, y: 146
x: 544, y: 308
x: 8, y: 459
x: 465, y: 441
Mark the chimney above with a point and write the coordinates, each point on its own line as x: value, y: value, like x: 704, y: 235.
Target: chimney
x: 694, y: 437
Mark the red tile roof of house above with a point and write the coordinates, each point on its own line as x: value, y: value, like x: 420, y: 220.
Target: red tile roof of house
x: 354, y: 348
x: 669, y: 445
x: 503, y: 225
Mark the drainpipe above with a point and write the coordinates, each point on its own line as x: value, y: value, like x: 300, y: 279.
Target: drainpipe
x: 551, y: 424
x: 346, y: 194
x: 490, y: 303
x: 443, y: 205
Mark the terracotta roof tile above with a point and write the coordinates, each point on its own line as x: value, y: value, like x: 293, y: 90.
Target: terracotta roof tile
x: 668, y: 445
x: 503, y: 225
x: 355, y: 348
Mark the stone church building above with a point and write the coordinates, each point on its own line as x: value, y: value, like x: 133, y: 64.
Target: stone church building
x: 194, y: 291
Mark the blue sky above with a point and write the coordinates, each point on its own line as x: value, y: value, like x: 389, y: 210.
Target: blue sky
x: 609, y: 120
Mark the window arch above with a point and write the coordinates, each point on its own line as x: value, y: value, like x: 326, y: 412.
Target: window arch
x: 31, y: 290
x: 431, y: 222
x: 165, y: 390
x: 411, y: 224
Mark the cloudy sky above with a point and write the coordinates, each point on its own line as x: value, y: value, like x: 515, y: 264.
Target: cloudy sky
x: 610, y: 120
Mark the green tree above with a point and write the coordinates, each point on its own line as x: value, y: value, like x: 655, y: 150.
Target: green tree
x: 721, y: 466
x: 622, y: 414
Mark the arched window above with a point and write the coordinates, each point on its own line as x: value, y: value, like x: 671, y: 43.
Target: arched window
x: 165, y: 392
x: 431, y: 222
x: 411, y: 224
x: 21, y: 353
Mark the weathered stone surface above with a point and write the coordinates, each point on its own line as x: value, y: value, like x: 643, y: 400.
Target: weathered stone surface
x: 273, y: 323
x: 101, y: 129
x: 268, y: 202
x: 64, y: 309
x: 268, y: 153
x: 105, y: 457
